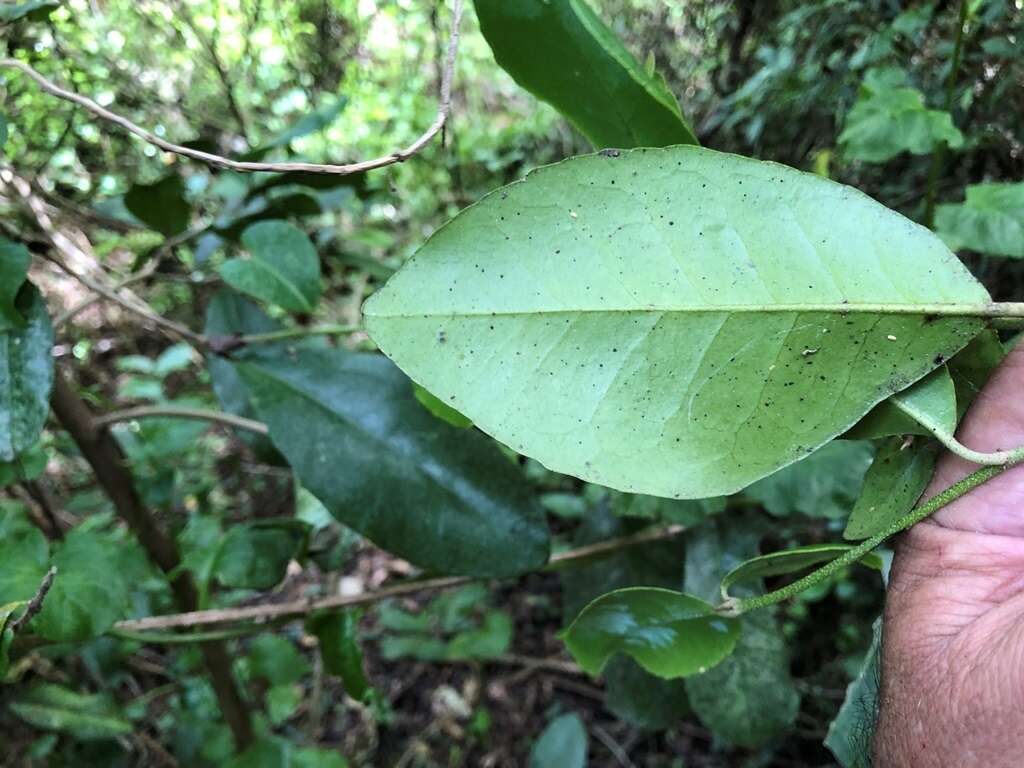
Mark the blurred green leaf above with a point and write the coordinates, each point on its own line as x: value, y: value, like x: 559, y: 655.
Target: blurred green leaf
x: 283, y: 267
x: 851, y: 734
x: 26, y: 376
x: 563, y: 744
x: 34, y: 10
x: 990, y: 220
x: 282, y: 701
x: 338, y: 636
x: 563, y: 53
x: 361, y: 443
x: 825, y: 484
x: 895, y: 481
x: 27, y: 466
x: 669, y: 633
x: 439, y: 408
x: 275, y: 659
x: 14, y: 261
x: 642, y: 699
x: 160, y: 205
x: 255, y: 555
x: 890, y: 117
x: 790, y: 561
x: 56, y: 708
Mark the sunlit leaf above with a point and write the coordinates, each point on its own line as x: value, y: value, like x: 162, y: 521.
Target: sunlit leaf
x: 636, y: 321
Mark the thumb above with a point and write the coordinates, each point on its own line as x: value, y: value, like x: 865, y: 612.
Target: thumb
x: 995, y: 422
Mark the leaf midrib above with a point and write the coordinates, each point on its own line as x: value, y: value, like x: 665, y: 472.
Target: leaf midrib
x: 992, y: 309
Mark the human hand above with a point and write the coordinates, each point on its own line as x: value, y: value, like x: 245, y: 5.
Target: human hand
x: 953, y: 642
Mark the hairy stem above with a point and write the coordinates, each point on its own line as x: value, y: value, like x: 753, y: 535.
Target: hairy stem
x: 736, y: 606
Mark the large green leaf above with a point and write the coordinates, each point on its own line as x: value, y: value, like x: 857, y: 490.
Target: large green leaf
x: 86, y: 717
x: 892, y: 486
x: 563, y: 53
x: 160, y: 205
x: 14, y: 261
x: 637, y: 320
x: 283, y: 267
x: 990, y: 220
x: 670, y: 634
x: 26, y: 376
x: 441, y: 497
x: 890, y: 117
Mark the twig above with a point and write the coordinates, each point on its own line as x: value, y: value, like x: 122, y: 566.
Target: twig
x: 84, y: 304
x: 299, y: 608
x: 613, y: 746
x: 398, y: 156
x: 35, y: 605
x: 167, y: 411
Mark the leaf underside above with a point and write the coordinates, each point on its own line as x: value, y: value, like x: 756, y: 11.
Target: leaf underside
x: 676, y: 322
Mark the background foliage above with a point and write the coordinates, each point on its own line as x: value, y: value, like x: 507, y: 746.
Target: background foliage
x: 858, y: 91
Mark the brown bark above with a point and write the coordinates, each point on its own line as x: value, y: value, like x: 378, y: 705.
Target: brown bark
x: 104, y: 455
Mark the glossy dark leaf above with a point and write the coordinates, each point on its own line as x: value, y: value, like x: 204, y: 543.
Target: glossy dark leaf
x: 338, y: 636
x: 670, y: 634
x: 26, y: 376
x: 160, y: 205
x: 441, y: 497
x: 563, y: 53
x: 14, y: 261
x: 791, y: 561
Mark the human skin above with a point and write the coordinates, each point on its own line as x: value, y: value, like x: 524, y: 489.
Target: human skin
x: 953, y: 641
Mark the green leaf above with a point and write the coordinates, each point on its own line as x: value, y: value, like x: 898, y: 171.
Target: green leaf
x: 160, y: 205
x: 311, y: 757
x: 313, y: 121
x: 26, y: 376
x: 255, y: 555
x: 283, y: 267
x: 490, y: 640
x: 563, y: 53
x: 86, y: 717
x: 282, y: 701
x: 25, y: 555
x: 361, y: 443
x: 851, y: 734
x: 990, y: 220
x: 276, y: 660
x: 890, y: 117
x: 973, y: 365
x: 749, y: 698
x: 338, y: 636
x: 688, y: 512
x: 26, y: 466
x: 825, y: 484
x: 640, y: 698
x: 563, y: 744
x: 790, y: 561
x: 931, y: 402
x: 439, y: 408
x: 35, y: 10
x: 669, y: 633
x: 91, y: 589
x: 892, y: 486
x: 14, y: 261
x: 649, y: 301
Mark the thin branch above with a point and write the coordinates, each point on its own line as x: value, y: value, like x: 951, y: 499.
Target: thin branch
x: 35, y: 605
x: 291, y: 333
x: 167, y: 411
x: 84, y: 304
x: 398, y: 156
x: 299, y: 608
